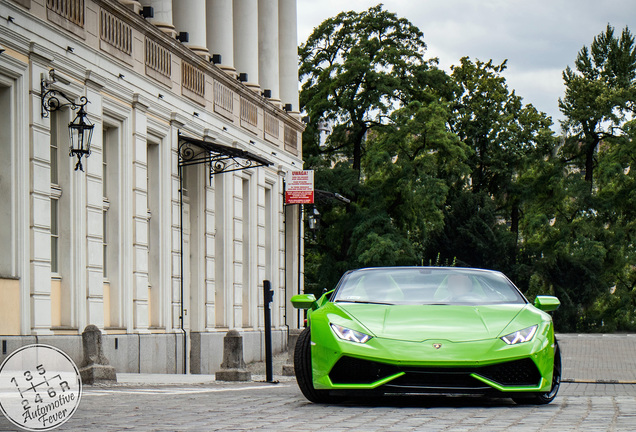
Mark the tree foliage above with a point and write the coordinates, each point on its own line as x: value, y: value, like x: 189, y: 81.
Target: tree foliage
x: 356, y: 68
x: 455, y: 168
x: 598, y: 96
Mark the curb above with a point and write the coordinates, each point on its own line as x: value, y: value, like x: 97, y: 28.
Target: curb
x: 600, y: 381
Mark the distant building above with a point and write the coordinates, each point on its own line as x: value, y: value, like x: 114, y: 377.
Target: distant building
x: 195, y: 112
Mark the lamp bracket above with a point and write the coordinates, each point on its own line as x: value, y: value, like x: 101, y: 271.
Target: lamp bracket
x: 51, y: 98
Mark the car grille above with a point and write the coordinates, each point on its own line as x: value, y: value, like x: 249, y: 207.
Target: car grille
x: 349, y: 370
x: 514, y: 373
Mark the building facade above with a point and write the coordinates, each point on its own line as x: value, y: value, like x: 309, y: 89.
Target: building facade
x: 162, y: 252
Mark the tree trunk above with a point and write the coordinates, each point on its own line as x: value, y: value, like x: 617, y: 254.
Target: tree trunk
x: 589, y: 160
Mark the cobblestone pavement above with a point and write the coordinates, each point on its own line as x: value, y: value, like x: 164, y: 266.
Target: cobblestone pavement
x: 593, y: 399
x: 603, y: 357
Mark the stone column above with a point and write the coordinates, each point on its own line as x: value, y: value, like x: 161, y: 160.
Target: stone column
x: 140, y: 213
x: 37, y: 307
x: 288, y: 53
x: 162, y: 15
x: 220, y: 33
x: 189, y: 16
x: 94, y: 205
x: 268, y: 48
x: 246, y: 40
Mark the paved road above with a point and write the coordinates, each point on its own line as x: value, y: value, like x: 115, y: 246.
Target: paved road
x: 281, y: 407
x: 587, y: 402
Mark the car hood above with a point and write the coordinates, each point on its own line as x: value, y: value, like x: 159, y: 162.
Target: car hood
x: 424, y: 322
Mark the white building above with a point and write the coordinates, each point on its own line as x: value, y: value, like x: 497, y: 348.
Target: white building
x: 104, y: 245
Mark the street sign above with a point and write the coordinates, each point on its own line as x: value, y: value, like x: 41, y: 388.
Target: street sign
x: 299, y: 187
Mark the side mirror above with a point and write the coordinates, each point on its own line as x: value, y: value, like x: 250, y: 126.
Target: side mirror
x: 303, y: 301
x: 547, y: 303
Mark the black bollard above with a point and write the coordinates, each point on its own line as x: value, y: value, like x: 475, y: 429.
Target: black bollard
x: 268, y: 296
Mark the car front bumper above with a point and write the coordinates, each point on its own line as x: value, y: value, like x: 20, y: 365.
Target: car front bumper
x: 432, y: 365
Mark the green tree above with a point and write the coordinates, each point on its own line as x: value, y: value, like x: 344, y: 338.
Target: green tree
x: 506, y: 139
x: 356, y: 68
x: 599, y: 94
x: 580, y: 237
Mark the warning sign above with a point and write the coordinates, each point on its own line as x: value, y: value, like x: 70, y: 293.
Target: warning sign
x: 299, y: 187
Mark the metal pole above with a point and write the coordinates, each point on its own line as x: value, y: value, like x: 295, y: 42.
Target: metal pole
x: 268, y: 296
x: 285, y: 254
x: 300, y: 224
x: 181, y: 319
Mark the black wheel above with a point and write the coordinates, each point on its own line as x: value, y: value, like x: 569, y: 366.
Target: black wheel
x: 546, y: 398
x: 302, y: 368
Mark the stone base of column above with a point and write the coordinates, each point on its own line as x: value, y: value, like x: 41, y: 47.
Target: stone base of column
x: 255, y: 87
x: 167, y: 29
x: 233, y: 375
x: 97, y: 373
x: 276, y: 102
x: 135, y: 6
x: 228, y: 70
x: 200, y: 51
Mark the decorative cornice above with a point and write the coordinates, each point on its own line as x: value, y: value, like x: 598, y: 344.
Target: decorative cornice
x: 94, y: 80
x: 140, y: 102
x: 178, y: 120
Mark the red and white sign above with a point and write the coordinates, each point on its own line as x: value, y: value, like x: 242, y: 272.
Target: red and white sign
x: 299, y: 187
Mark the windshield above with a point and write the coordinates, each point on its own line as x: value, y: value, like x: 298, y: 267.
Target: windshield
x: 427, y: 285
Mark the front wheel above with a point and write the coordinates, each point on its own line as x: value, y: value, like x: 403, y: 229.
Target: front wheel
x: 547, y: 397
x: 302, y: 368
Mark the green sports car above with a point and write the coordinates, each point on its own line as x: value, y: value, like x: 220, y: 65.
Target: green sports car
x: 427, y: 330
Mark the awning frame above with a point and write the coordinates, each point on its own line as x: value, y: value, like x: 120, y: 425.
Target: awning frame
x: 221, y: 158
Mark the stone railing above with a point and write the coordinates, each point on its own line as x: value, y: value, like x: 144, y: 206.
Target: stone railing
x: 223, y: 99
x: 115, y: 32
x: 72, y: 10
x: 249, y: 114
x: 193, y: 82
x: 158, y: 61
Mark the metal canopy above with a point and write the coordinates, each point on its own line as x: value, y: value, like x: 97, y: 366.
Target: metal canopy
x: 221, y: 158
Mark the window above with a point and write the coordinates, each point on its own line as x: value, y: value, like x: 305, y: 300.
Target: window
x: 58, y: 127
x: 154, y: 233
x: 54, y: 235
x: 111, y: 219
x: 53, y: 158
x: 105, y: 203
x: 55, y: 196
x: 104, y: 165
x: 7, y: 183
x: 105, y: 243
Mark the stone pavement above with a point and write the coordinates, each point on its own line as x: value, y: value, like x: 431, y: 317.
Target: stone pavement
x: 599, y: 357
x: 598, y: 395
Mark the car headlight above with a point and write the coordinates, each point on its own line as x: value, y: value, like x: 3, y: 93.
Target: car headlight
x: 350, y: 335
x: 520, y: 336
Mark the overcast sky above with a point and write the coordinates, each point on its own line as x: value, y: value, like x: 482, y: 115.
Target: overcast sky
x: 538, y: 37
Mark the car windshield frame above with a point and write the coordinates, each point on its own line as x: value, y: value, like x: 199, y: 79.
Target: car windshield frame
x: 427, y: 286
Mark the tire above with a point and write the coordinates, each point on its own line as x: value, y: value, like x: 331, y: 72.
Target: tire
x: 302, y: 368
x: 547, y: 397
